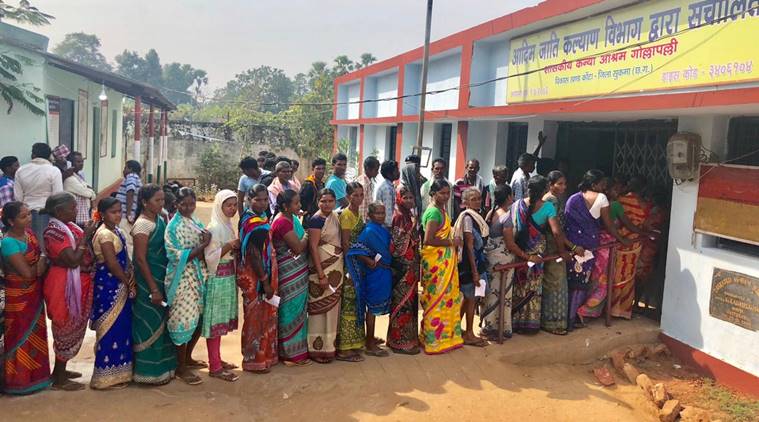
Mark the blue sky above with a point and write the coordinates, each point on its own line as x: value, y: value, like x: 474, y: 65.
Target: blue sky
x: 225, y: 37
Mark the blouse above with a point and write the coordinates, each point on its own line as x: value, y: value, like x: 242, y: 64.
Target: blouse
x: 11, y: 246
x: 104, y: 235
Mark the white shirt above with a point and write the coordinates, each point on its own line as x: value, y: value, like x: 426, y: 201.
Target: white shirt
x: 601, y: 202
x: 519, y: 175
x: 36, y: 181
x: 76, y: 185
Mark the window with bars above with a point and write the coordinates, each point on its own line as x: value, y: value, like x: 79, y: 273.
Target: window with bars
x: 743, y: 141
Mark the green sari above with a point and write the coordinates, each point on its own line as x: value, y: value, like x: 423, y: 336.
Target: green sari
x: 154, y: 353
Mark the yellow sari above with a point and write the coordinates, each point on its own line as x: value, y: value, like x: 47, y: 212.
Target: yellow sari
x: 440, y: 298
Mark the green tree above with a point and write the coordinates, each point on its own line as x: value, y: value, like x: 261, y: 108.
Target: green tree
x: 366, y: 60
x: 264, y: 89
x: 83, y: 48
x: 13, y: 91
x: 183, y: 83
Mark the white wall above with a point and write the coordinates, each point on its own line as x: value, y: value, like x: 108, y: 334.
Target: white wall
x: 690, y: 263
x: 353, y: 94
x: 489, y: 61
x: 411, y: 86
x: 387, y: 87
x: 375, y: 141
x: 444, y: 73
x: 481, y: 145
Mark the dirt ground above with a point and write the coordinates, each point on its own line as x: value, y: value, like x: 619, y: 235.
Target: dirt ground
x: 539, y: 378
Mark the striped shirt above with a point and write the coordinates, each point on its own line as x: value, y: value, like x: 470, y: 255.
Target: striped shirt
x: 131, y: 183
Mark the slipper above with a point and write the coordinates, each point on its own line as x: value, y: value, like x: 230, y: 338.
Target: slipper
x: 476, y: 343
x: 190, y: 378
x: 323, y: 361
x: 291, y: 364
x: 379, y: 353
x: 68, y: 386
x: 228, y: 366
x: 558, y: 332
x: 116, y: 387
x: 414, y: 351
x: 224, y: 375
x: 378, y: 340
x: 73, y: 374
x: 354, y: 357
x: 197, y: 364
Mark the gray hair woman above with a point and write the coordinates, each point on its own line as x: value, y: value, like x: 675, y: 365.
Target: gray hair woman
x: 281, y: 183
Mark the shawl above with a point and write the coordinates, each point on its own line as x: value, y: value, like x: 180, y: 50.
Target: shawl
x: 221, y: 230
x: 73, y: 275
x: 458, y: 228
x: 580, y: 226
x: 373, y: 240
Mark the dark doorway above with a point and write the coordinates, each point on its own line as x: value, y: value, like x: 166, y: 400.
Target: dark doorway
x: 445, y: 142
x: 392, y: 146
x: 516, y: 144
x: 66, y: 124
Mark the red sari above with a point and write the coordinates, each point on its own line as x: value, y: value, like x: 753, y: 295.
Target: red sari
x: 68, y: 330
x: 626, y: 262
x: 403, y: 331
x: 27, y: 368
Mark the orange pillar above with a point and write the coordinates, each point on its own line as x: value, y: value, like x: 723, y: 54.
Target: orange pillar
x: 462, y: 134
x: 137, y: 127
x: 399, y: 142
x: 360, y: 149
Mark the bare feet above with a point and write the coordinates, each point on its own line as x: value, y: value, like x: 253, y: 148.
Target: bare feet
x: 189, y: 377
x: 68, y: 385
x: 224, y: 375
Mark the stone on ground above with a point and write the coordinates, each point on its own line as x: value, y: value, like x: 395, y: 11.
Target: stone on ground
x: 604, y: 376
x: 694, y: 414
x: 660, y: 394
x: 670, y: 411
x: 630, y: 372
x: 645, y: 384
x: 618, y: 360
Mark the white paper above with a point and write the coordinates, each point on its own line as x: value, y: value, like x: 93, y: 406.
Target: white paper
x: 480, y: 291
x: 332, y: 288
x: 274, y: 301
x: 163, y: 303
x: 586, y: 257
x: 559, y: 259
x: 530, y: 264
x: 377, y: 258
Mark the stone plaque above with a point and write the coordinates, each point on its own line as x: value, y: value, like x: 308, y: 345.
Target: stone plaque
x: 735, y: 299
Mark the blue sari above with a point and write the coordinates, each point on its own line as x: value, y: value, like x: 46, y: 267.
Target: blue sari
x: 373, y: 286
x: 112, y: 322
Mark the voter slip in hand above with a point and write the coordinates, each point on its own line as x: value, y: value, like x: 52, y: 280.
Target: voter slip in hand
x: 274, y: 301
x: 585, y: 258
x: 480, y: 291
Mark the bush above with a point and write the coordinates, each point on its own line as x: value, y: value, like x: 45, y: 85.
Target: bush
x: 217, y: 169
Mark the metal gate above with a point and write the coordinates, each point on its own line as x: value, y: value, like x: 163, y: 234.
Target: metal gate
x: 640, y: 148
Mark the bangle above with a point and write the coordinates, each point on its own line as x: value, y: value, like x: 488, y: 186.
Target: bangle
x: 573, y: 248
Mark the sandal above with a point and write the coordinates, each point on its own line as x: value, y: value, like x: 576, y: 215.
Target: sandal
x: 378, y: 353
x: 73, y: 374
x: 68, y: 386
x: 480, y: 342
x: 116, y: 387
x: 413, y: 351
x: 190, y: 378
x: 197, y: 364
x: 228, y: 366
x: 304, y: 362
x: 353, y: 357
x: 224, y: 375
x: 558, y: 332
x: 323, y: 361
x: 379, y: 341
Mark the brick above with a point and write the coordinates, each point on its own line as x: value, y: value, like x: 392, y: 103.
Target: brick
x: 694, y: 414
x: 670, y: 411
x: 618, y: 360
x: 661, y: 349
x: 646, y: 385
x: 630, y: 372
x: 660, y: 394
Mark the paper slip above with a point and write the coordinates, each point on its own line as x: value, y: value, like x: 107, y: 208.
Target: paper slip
x: 559, y: 259
x: 480, y: 291
x: 530, y: 264
x: 163, y: 303
x: 274, y: 301
x: 332, y: 288
x: 377, y: 258
x: 587, y: 257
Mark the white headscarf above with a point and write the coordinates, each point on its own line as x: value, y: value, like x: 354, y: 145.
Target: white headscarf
x: 221, y: 230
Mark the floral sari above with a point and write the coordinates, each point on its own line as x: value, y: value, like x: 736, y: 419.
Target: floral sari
x: 259, y: 329
x: 27, y: 368
x: 68, y: 302
x: 155, y: 357
x: 441, y: 297
x: 293, y: 292
x: 111, y: 317
x: 324, y: 303
x: 497, y: 254
x: 626, y: 260
x: 185, y: 278
x: 555, y: 303
x: 403, y: 330
x: 350, y: 334
x: 528, y: 288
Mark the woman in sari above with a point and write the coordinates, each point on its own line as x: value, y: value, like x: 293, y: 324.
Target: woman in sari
x: 498, y: 254
x: 626, y: 261
x: 111, y: 304
x: 368, y: 262
x: 585, y: 213
x: 68, y: 284
x: 325, y: 279
x: 290, y: 245
x: 220, y: 300
x: 257, y: 278
x: 473, y: 266
x: 531, y: 217
x: 186, y: 275
x: 441, y: 297
x: 155, y: 358
x: 554, y: 307
x: 350, y: 334
x: 26, y: 368
x: 403, y: 330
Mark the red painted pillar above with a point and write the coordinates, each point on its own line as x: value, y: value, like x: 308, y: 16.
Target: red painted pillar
x: 401, y: 85
x: 137, y: 127
x: 151, y: 146
x: 399, y: 142
x: 466, y: 75
x: 462, y: 134
x: 360, y: 149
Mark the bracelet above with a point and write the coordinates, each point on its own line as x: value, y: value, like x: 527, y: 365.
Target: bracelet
x: 573, y: 248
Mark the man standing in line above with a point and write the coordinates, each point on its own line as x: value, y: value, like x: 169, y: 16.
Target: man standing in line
x: 77, y: 186
x: 471, y: 179
x: 251, y: 175
x: 385, y: 192
x: 368, y: 181
x: 34, y: 183
x: 8, y: 165
x: 127, y: 195
x: 439, y: 169
x: 60, y: 160
x: 336, y: 181
x: 519, y: 180
x: 310, y: 188
x: 500, y: 177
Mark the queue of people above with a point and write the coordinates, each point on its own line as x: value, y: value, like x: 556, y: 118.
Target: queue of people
x: 316, y: 262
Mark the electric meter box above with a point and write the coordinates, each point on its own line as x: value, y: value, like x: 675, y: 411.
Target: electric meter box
x: 683, y: 152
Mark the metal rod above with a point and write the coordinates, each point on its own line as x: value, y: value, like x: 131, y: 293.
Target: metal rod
x: 501, y: 300
x: 609, y: 283
x: 425, y: 66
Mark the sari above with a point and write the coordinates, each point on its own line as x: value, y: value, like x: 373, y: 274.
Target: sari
x: 373, y: 286
x: 441, y: 297
x: 530, y: 236
x: 584, y: 230
x: 292, y: 332
x: 111, y: 316
x: 185, y: 278
x: 554, y: 306
x: 403, y: 330
x: 323, y: 303
x: 26, y: 366
x: 650, y: 248
x: 259, y: 329
x: 155, y: 357
x: 497, y: 254
x: 626, y: 261
x: 68, y: 301
x: 350, y: 334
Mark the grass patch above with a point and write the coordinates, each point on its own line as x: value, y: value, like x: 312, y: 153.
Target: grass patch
x: 738, y: 408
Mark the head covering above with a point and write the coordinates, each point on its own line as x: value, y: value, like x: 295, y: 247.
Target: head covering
x: 220, y: 228
x: 61, y: 152
x: 409, y: 178
x: 413, y: 158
